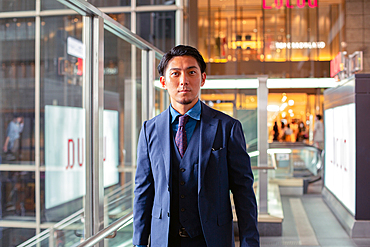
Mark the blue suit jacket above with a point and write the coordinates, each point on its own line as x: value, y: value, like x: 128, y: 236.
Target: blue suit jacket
x: 223, y: 165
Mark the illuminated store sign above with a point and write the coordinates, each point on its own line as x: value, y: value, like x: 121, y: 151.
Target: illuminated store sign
x: 300, y: 45
x: 65, y: 159
x: 290, y: 4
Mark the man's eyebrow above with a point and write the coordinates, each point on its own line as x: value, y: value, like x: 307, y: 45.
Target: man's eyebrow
x: 190, y: 67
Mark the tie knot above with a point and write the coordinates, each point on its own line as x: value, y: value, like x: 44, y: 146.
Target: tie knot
x: 183, y: 120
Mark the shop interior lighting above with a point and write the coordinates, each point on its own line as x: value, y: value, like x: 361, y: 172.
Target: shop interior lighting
x: 284, y: 98
x: 273, y: 108
x: 291, y: 102
x: 279, y: 151
x: 283, y: 106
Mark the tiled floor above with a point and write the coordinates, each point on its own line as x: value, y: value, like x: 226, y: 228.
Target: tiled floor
x: 316, y: 226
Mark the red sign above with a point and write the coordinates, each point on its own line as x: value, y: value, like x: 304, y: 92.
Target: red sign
x: 290, y: 4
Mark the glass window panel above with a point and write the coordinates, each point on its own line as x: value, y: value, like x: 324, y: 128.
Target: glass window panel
x: 62, y: 117
x: 17, y: 5
x: 155, y: 2
x: 17, y: 195
x: 15, y: 236
x: 51, y: 4
x: 124, y: 19
x: 117, y: 122
x: 114, y: 3
x: 17, y: 90
x: 158, y: 28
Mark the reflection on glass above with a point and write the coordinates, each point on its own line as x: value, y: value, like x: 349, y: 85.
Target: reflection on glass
x: 158, y: 28
x: 15, y: 236
x: 123, y: 18
x: 51, y: 4
x: 118, y: 124
x: 114, y: 3
x: 17, y: 5
x: 17, y: 195
x: 17, y: 90
x: 155, y: 2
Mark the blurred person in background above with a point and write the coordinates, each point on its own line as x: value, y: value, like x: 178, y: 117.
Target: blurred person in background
x: 318, y: 133
x: 12, y: 140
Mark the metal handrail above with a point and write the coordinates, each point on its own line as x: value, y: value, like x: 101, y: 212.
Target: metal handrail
x: 60, y: 225
x: 85, y: 8
x: 108, y: 232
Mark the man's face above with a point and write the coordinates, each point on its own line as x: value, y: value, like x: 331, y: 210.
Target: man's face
x: 183, y: 79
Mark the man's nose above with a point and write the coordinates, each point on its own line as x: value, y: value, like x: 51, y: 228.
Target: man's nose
x: 184, y: 79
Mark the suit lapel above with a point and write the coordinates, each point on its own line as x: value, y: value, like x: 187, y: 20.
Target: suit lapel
x: 162, y: 128
x: 208, y: 128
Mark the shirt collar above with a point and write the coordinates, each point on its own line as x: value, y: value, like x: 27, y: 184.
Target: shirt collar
x: 194, y: 112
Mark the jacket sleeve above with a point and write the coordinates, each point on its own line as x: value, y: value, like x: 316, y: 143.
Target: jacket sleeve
x: 241, y: 185
x: 144, y: 192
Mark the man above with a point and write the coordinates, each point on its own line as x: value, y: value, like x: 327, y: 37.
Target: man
x: 183, y: 178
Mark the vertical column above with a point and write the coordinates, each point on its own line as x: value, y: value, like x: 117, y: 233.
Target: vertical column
x: 262, y: 135
x: 94, y: 106
x: 179, y: 36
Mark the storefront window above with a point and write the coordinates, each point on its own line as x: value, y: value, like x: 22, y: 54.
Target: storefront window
x: 277, y: 34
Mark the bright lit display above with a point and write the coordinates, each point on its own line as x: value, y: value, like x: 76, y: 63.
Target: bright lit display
x: 340, y: 156
x: 65, y: 153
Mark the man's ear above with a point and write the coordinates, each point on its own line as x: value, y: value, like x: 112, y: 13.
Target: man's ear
x: 204, y: 76
x: 163, y: 82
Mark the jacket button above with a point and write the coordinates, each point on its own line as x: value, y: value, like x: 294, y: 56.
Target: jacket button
x: 182, y: 196
x: 183, y: 210
x: 182, y: 183
x: 182, y: 169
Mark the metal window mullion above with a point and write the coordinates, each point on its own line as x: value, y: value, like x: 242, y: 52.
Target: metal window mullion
x: 87, y: 99
x: 97, y: 123
x: 262, y: 135
x: 145, y: 85
x: 150, y: 84
x: 179, y: 26
x: 37, y: 116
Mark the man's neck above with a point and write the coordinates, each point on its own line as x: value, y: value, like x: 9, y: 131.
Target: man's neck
x: 183, y: 108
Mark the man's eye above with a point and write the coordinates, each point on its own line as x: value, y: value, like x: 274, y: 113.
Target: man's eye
x: 192, y: 72
x: 174, y: 73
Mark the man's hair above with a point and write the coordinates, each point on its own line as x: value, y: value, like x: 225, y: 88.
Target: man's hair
x: 181, y: 50
x: 318, y: 117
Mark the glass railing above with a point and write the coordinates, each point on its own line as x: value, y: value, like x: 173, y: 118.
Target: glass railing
x: 296, y: 160
x: 70, y: 231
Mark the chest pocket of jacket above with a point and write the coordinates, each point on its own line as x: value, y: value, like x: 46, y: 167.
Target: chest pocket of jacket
x: 157, y: 212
